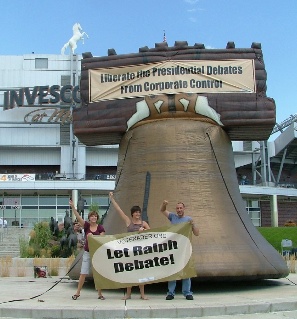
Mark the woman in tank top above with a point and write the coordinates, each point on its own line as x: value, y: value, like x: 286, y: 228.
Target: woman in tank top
x: 91, y: 227
x: 135, y: 223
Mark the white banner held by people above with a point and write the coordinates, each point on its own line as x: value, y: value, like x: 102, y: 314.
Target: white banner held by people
x: 155, y: 255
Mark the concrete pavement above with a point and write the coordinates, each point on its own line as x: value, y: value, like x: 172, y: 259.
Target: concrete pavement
x: 26, y: 297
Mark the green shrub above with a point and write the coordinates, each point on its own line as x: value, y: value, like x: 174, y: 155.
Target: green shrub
x: 24, y: 245
x: 94, y: 207
x: 42, y: 235
x: 43, y: 244
x: 31, y: 252
x: 55, y: 251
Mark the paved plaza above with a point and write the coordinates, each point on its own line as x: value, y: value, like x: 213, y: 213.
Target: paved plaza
x: 26, y: 297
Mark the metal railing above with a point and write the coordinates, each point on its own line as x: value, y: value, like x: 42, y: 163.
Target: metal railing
x: 70, y: 176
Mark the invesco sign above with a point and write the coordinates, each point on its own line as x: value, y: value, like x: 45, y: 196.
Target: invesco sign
x: 41, y: 95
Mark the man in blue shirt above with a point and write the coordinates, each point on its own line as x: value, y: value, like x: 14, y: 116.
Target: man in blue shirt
x: 177, y: 218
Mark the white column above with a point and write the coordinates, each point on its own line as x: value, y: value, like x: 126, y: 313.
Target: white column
x: 74, y: 200
x: 274, y: 211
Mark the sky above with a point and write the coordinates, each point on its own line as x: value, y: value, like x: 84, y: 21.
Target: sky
x: 44, y: 27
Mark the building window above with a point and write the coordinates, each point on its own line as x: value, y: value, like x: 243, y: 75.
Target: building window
x: 41, y: 63
x: 247, y: 145
x: 65, y: 80
x: 254, y: 211
x: 29, y: 210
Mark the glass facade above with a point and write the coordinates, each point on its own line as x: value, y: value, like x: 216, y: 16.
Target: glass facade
x: 254, y: 211
x: 25, y: 211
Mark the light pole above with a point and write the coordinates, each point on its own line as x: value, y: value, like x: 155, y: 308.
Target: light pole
x: 15, y: 208
x: 3, y: 207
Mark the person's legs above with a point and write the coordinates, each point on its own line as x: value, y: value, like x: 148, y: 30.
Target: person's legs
x: 128, y: 294
x: 84, y: 271
x: 81, y: 282
x: 186, y: 287
x: 142, y: 295
x: 171, y: 289
x: 100, y: 296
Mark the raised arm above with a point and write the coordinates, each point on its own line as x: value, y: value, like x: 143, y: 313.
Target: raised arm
x: 124, y: 217
x: 163, y: 208
x: 75, y: 212
x: 145, y: 225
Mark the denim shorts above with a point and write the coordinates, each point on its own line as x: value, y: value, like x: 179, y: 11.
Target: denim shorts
x: 86, y: 263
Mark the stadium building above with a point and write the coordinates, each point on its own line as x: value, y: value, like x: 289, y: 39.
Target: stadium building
x: 42, y: 163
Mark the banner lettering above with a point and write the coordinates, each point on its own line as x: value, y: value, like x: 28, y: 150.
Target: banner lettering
x: 171, y: 77
x: 130, y: 259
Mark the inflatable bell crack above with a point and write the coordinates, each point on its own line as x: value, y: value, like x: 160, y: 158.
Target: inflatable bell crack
x: 175, y: 144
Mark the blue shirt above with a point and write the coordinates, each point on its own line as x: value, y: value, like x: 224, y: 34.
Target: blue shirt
x: 174, y: 219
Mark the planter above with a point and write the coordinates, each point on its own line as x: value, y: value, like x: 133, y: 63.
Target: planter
x: 25, y: 267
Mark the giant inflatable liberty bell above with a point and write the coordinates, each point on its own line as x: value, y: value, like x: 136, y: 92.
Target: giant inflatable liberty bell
x: 174, y: 111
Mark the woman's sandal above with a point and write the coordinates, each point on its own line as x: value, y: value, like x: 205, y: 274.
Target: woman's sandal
x: 101, y: 297
x: 144, y: 298
x: 74, y: 297
x: 126, y: 297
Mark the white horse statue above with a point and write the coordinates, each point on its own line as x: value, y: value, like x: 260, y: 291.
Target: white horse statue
x: 77, y: 35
